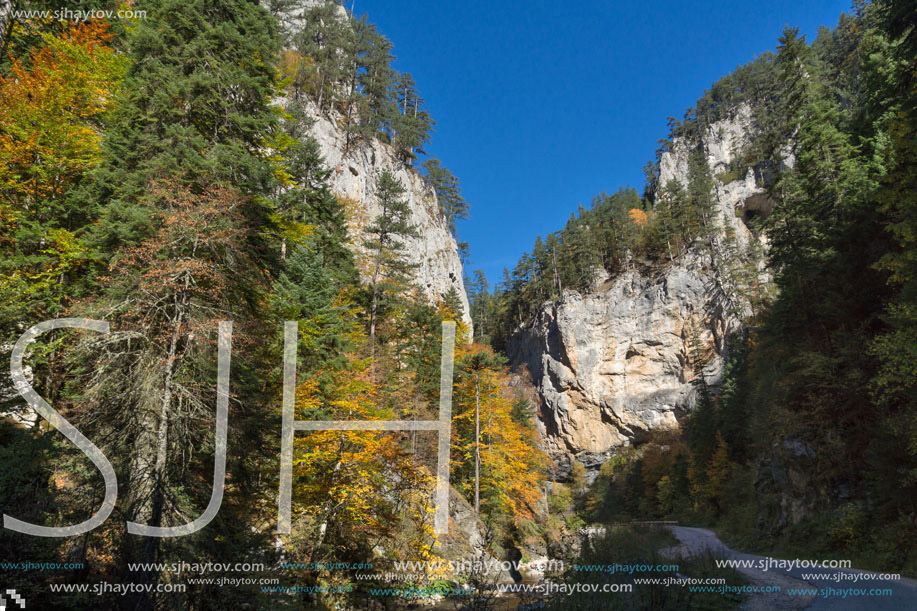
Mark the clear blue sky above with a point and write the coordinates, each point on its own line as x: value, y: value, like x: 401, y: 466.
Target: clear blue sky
x: 541, y: 105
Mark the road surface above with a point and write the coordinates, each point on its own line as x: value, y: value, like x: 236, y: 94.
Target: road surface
x: 903, y: 596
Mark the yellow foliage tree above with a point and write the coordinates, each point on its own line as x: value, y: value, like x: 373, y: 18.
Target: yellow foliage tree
x: 637, y: 217
x: 50, y: 108
x: 355, y: 487
x: 487, y: 434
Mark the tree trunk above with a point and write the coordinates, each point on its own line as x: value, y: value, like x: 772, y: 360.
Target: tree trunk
x: 375, y: 301
x: 147, y: 487
x: 477, y: 449
x: 560, y: 287
x: 321, y: 90
x: 372, y: 311
x: 353, y: 86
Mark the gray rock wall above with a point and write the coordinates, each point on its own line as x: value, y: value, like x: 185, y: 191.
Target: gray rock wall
x: 615, y: 363
x: 353, y: 178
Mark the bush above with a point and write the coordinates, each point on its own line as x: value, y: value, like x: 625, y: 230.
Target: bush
x: 849, y: 524
x: 729, y: 176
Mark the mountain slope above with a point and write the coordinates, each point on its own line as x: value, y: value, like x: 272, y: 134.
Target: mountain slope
x: 355, y: 169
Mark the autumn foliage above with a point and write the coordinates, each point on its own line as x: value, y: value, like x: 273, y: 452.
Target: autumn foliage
x: 637, y: 217
x: 49, y: 112
x: 51, y: 106
x: 511, y: 463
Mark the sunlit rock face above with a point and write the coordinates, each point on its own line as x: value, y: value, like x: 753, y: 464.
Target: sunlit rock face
x: 614, y: 363
x: 355, y: 170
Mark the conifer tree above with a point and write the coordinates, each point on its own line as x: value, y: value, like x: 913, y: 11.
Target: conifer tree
x: 185, y: 188
x: 669, y: 212
x: 699, y: 221
x: 448, y: 192
x: 304, y: 201
x: 325, y: 39
x: 196, y: 108
x: 718, y: 472
x: 893, y: 455
x: 481, y: 300
x: 389, y: 265
x: 411, y: 124
x: 375, y: 81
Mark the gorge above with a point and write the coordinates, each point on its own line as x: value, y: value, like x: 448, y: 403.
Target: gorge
x: 720, y: 358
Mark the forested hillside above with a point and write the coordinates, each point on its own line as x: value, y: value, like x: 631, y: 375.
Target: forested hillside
x: 159, y: 174
x: 733, y: 346
x: 807, y: 440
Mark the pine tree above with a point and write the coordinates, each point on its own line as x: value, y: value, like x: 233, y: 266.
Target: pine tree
x: 390, y: 267
x: 718, y: 473
x: 357, y: 49
x: 304, y: 201
x: 699, y: 221
x: 410, y: 124
x: 375, y: 81
x: 448, y: 192
x: 481, y: 306
x: 153, y: 378
x: 325, y: 40
x: 451, y: 305
x: 669, y: 210
x: 893, y: 455
x: 701, y: 432
x: 185, y: 188
x: 196, y: 108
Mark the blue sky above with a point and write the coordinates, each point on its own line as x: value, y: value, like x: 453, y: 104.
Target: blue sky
x: 541, y: 105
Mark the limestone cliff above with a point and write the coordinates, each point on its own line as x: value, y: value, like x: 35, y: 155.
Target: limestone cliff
x: 613, y: 364
x: 353, y: 179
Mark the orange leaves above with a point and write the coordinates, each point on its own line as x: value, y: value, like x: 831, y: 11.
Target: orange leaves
x: 47, y: 110
x: 637, y: 217
x: 293, y: 66
x: 48, y: 140
x: 511, y: 463
x: 356, y: 482
x: 191, y: 261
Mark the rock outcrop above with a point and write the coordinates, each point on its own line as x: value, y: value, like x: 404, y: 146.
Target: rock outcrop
x: 353, y: 179
x: 785, y: 477
x: 738, y: 194
x: 615, y: 363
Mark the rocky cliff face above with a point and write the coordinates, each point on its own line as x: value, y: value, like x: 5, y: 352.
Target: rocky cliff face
x: 738, y: 195
x: 615, y: 363
x: 353, y: 179
x: 612, y: 365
